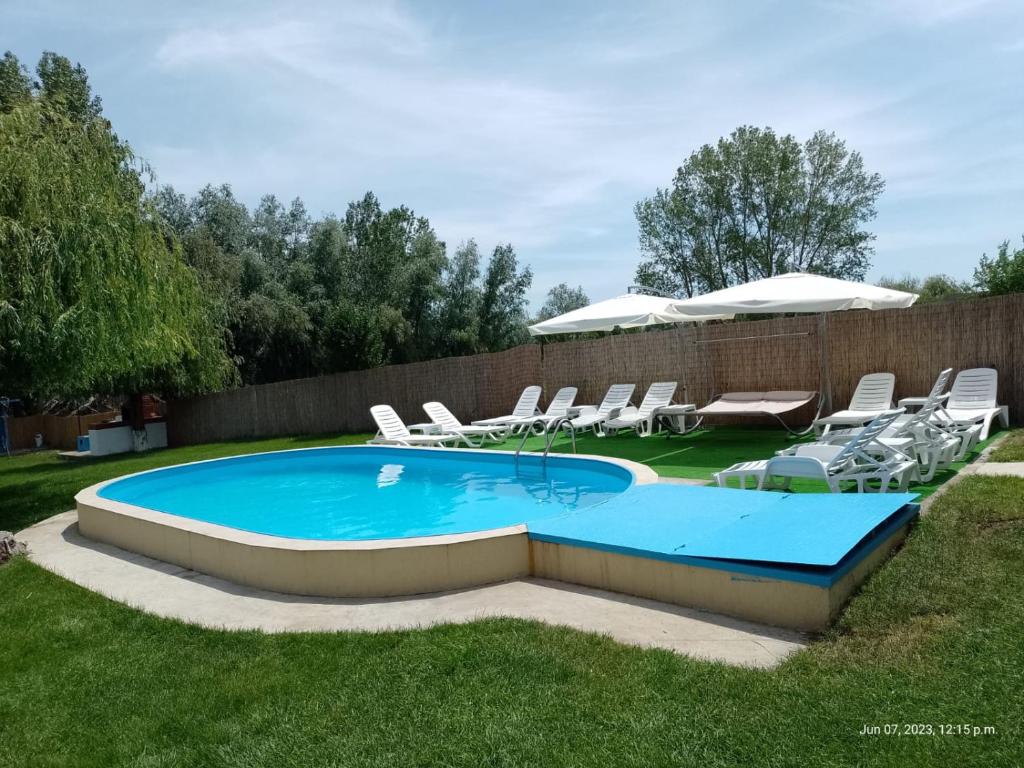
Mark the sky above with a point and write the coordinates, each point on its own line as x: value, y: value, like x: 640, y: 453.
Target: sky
x: 541, y: 123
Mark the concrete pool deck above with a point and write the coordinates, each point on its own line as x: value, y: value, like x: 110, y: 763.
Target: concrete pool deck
x: 178, y: 593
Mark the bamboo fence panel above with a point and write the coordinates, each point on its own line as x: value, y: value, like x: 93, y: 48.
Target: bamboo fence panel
x: 771, y: 354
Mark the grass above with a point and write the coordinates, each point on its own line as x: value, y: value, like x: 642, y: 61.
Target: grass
x: 1011, y: 449
x: 933, y: 638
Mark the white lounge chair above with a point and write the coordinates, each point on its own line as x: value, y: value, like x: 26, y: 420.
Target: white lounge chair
x: 915, y: 435
x: 872, y: 397
x: 391, y: 430
x: 558, y: 408
x: 972, y: 401
x: 642, y: 419
x: 450, y: 425
x: 859, y: 460
x: 862, y: 459
x: 616, y: 399
x: 525, y: 408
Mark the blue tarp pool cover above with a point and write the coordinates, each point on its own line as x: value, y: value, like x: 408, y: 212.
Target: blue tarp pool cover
x: 681, y: 522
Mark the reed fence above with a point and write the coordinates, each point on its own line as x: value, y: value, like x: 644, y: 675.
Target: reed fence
x: 781, y: 353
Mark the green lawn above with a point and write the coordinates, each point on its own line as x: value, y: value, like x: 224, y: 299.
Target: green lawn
x: 1011, y: 449
x: 933, y: 638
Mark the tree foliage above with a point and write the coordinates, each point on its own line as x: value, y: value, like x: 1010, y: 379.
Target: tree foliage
x: 93, y: 296
x: 562, y: 299
x: 299, y: 297
x: 105, y: 286
x: 756, y: 205
x: 931, y: 289
x: 1002, y: 274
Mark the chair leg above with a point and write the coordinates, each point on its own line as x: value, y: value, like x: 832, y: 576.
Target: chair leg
x: 904, y: 479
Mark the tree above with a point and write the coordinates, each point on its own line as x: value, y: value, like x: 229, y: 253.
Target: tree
x: 562, y: 299
x: 756, y: 205
x: 15, y: 83
x: 93, y: 295
x: 65, y: 88
x: 1003, y: 274
x: 932, y: 289
x: 459, y: 312
x: 503, y: 301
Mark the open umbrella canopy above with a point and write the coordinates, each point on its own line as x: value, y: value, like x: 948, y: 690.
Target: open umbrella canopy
x: 793, y: 292
x: 633, y: 310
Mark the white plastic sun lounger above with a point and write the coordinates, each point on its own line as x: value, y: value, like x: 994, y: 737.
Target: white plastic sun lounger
x: 872, y: 397
x: 391, y: 430
x: 915, y: 434
x: 772, y: 404
x: 450, y: 425
x: 525, y: 408
x: 616, y: 399
x: 642, y: 419
x: 859, y: 460
x: 558, y: 408
x: 972, y: 400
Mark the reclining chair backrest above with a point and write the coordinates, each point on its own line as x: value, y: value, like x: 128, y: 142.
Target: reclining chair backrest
x: 617, y: 396
x: 659, y: 394
x: 974, y: 388
x: 389, y: 423
x: 874, y: 392
x: 527, y: 404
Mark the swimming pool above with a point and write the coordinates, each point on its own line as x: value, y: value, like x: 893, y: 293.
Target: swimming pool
x: 375, y: 522
x: 365, y: 493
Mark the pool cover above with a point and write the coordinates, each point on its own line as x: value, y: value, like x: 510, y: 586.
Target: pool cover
x: 681, y: 522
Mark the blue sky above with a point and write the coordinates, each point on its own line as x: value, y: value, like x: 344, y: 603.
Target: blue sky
x: 542, y: 123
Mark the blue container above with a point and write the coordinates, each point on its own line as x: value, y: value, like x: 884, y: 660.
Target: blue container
x: 83, y: 443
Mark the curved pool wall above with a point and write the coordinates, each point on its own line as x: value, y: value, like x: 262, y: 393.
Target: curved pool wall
x: 790, y: 560
x: 354, y: 567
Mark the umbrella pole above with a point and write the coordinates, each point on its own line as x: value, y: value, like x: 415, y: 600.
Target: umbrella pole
x: 825, y: 374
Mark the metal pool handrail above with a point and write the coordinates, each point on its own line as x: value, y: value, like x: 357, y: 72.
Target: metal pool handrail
x: 550, y: 432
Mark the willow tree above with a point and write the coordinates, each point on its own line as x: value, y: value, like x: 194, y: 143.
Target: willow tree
x: 94, y: 297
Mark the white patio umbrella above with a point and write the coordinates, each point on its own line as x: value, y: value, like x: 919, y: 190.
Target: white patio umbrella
x: 632, y: 310
x: 794, y: 292
x: 797, y: 292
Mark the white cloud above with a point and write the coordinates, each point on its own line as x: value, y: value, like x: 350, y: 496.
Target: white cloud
x: 546, y: 138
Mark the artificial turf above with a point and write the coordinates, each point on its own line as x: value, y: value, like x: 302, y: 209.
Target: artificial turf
x: 933, y: 640
x: 700, y: 454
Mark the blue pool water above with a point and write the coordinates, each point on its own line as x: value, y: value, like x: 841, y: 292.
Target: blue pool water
x: 372, y: 492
